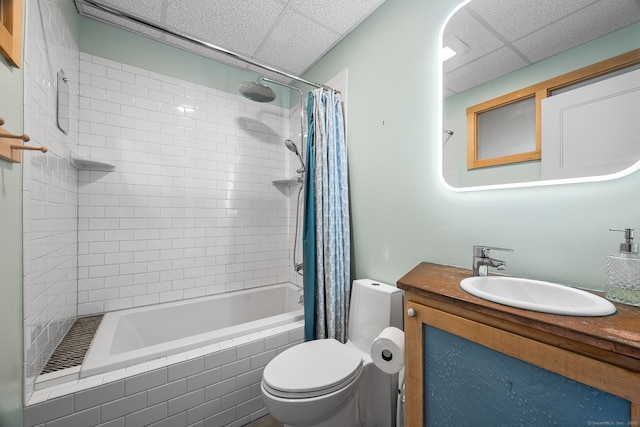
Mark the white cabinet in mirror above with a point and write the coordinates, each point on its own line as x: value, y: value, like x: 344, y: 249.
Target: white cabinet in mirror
x: 507, y: 45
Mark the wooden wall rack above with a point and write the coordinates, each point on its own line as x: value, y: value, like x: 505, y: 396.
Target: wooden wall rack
x: 10, y: 149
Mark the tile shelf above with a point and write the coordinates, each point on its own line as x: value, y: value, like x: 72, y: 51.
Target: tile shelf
x: 88, y: 163
x: 284, y: 185
x: 285, y: 182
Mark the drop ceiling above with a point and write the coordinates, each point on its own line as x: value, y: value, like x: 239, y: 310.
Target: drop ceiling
x: 497, y: 37
x: 289, y: 35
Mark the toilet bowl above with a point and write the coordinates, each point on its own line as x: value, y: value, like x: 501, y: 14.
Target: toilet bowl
x: 310, y: 392
x: 326, y: 383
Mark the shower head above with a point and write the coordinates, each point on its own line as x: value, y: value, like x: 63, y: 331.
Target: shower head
x: 257, y: 92
x: 291, y: 146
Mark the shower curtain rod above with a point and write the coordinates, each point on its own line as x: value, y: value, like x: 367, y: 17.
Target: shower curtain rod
x: 122, y: 14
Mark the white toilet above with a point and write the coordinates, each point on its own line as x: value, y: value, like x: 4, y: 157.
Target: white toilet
x: 327, y: 383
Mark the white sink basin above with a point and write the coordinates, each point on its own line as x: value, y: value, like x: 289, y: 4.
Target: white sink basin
x: 536, y: 295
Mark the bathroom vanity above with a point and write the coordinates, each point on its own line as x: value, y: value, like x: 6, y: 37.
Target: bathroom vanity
x: 472, y: 361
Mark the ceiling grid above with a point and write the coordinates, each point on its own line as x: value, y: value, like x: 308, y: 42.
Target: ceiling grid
x: 287, y: 35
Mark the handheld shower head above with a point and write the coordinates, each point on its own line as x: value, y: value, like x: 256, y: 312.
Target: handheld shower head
x: 291, y: 146
x: 257, y: 92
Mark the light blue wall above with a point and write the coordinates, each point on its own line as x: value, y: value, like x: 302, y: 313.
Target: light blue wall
x: 11, y: 110
x: 401, y: 213
x: 72, y: 18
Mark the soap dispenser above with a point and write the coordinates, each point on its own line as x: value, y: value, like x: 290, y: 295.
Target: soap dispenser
x: 623, y: 272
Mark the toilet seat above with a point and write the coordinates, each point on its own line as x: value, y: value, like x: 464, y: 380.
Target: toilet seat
x: 312, y: 369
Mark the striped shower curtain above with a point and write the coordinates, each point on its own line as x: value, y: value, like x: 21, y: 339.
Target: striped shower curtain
x: 326, y: 228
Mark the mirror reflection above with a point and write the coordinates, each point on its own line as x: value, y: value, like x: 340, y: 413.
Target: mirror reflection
x: 504, y: 46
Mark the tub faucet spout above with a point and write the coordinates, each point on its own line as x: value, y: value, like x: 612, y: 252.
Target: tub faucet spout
x: 482, y: 261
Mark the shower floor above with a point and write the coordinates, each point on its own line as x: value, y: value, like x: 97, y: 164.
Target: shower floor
x: 71, y: 351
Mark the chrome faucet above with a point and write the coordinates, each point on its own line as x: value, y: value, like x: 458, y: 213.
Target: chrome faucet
x: 482, y: 261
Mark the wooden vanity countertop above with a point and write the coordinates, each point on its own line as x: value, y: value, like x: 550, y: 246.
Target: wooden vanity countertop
x: 618, y: 333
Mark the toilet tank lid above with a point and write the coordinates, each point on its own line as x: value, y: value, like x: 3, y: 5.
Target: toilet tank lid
x: 389, y: 289
x: 313, y: 366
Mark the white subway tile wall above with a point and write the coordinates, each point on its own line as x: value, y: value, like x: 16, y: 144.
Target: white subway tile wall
x: 190, y: 209
x: 217, y: 385
x: 49, y: 188
x: 296, y: 127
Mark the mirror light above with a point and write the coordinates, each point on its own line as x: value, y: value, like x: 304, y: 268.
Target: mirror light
x: 447, y: 53
x: 598, y: 178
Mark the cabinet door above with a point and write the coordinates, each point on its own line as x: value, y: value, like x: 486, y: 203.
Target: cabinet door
x: 466, y: 383
x: 461, y: 372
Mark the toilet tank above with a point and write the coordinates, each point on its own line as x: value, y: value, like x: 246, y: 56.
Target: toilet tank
x: 374, y: 306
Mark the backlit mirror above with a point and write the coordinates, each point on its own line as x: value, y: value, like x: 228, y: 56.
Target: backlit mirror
x: 503, y: 46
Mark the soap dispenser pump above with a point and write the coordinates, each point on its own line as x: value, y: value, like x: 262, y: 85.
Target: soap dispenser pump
x: 623, y: 272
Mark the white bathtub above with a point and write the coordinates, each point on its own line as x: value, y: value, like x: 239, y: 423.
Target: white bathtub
x: 138, y: 335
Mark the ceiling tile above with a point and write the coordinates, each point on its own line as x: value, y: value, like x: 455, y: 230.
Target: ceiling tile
x: 585, y: 25
x: 149, y: 9
x: 532, y: 29
x: 515, y: 18
x: 472, y: 33
x: 296, y: 42
x: 338, y: 15
x: 496, y: 64
x: 235, y: 25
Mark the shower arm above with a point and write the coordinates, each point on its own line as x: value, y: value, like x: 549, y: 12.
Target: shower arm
x: 266, y: 79
x: 129, y: 17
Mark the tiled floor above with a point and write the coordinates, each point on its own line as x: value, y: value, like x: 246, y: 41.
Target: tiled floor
x: 267, y: 421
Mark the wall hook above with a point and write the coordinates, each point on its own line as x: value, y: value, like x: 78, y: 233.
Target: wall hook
x: 24, y: 137
x: 12, y: 152
x: 28, y: 147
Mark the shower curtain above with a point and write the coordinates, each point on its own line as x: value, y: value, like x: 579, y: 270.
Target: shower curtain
x: 326, y: 228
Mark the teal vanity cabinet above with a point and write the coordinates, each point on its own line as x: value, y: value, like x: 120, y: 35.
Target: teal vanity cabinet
x: 473, y: 362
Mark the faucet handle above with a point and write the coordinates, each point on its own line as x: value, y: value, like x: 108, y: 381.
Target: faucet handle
x: 483, y: 251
